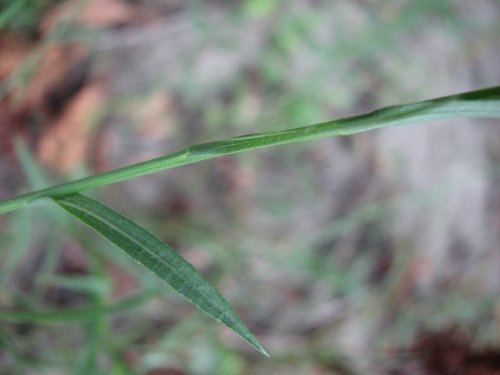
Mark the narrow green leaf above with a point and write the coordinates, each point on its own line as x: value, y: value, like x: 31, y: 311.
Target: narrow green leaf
x: 158, y: 258
x: 481, y: 103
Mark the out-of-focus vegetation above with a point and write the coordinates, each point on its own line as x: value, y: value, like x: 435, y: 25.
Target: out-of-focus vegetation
x: 309, y: 263
x: 23, y: 15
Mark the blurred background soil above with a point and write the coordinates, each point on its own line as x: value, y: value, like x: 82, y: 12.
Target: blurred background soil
x: 370, y: 254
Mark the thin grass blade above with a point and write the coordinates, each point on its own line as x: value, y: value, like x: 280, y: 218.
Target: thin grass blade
x: 34, y: 173
x: 77, y: 314
x: 159, y: 259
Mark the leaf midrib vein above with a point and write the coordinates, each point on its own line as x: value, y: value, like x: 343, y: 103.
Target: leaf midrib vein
x: 156, y: 256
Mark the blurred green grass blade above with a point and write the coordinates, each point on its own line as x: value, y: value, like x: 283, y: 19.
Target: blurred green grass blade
x: 91, y: 284
x: 80, y: 314
x: 21, y: 224
x: 158, y: 258
x: 481, y: 103
x: 10, y: 12
x: 36, y: 176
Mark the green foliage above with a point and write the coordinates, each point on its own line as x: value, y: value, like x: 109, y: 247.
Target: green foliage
x: 474, y: 104
x: 23, y: 15
x: 165, y: 262
x: 80, y: 314
x: 159, y: 258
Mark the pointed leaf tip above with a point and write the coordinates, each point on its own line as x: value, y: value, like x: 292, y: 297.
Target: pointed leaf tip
x: 159, y: 258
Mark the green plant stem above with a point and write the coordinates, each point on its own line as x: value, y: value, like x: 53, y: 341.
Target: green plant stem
x: 481, y: 103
